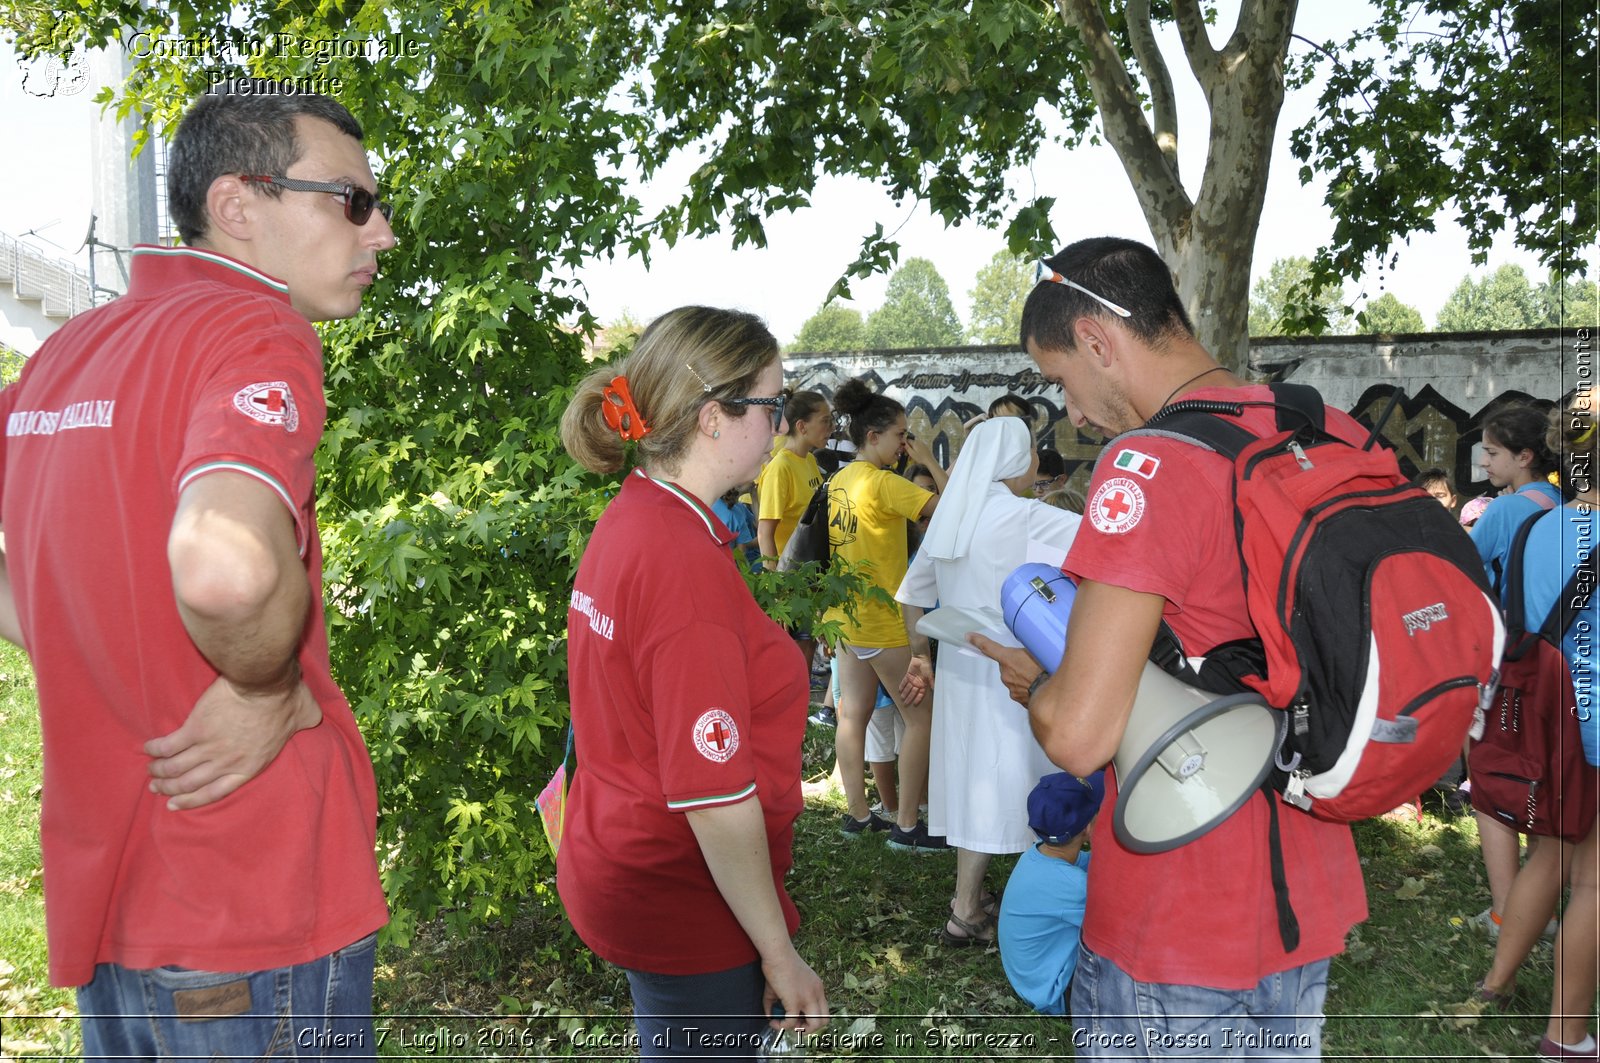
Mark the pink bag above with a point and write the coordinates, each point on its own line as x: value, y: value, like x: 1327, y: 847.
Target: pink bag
x: 552, y: 801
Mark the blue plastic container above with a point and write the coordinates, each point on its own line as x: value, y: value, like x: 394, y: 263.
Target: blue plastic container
x: 1037, y: 600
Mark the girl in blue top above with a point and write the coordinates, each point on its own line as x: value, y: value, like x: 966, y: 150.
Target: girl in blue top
x: 1516, y: 459
x: 1569, y: 533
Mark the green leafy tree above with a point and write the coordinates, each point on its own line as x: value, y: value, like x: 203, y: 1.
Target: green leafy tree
x: 997, y: 295
x: 1502, y: 300
x: 939, y: 102
x: 616, y: 337
x: 832, y: 328
x: 1387, y: 314
x: 1279, y: 306
x: 1484, y: 108
x: 916, y: 310
x: 1573, y: 303
x: 11, y: 363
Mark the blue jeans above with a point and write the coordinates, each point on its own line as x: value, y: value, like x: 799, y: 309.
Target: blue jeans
x: 1115, y: 1017
x: 699, y: 1016
x: 309, y: 1011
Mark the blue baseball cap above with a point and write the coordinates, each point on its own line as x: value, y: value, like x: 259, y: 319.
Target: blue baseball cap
x: 1062, y: 806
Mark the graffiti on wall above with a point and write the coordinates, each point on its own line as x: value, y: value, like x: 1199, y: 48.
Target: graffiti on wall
x: 1425, y: 430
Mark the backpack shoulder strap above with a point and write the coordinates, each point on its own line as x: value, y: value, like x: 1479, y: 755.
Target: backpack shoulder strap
x: 1202, y: 422
x: 1540, y: 499
x: 1206, y: 421
x: 1299, y: 406
x: 1575, y: 596
x: 1511, y: 602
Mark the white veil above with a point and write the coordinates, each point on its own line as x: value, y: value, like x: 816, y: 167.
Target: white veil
x: 997, y: 449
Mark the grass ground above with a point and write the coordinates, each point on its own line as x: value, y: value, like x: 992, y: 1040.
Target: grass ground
x: 531, y: 990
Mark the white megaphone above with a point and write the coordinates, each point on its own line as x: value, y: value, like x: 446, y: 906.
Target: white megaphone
x: 1188, y: 759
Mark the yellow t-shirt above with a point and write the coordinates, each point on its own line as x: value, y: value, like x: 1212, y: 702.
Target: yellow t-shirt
x: 867, y: 512
x: 785, y: 486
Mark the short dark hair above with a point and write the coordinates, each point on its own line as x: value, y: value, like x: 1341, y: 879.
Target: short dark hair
x: 1126, y: 272
x: 1013, y: 400
x: 241, y: 126
x: 1051, y: 464
x: 1434, y: 476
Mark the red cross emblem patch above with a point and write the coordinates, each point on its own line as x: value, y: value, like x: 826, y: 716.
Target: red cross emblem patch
x: 716, y: 736
x: 270, y: 402
x: 1116, y: 506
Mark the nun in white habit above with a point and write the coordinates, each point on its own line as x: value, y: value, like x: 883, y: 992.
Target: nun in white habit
x: 983, y: 760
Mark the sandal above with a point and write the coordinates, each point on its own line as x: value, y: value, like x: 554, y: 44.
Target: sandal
x: 976, y: 933
x: 987, y: 901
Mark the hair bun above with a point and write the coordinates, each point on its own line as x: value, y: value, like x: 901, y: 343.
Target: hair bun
x: 852, y: 397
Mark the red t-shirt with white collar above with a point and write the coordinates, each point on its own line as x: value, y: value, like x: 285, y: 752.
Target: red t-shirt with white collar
x: 202, y: 366
x: 1160, y: 521
x: 685, y: 696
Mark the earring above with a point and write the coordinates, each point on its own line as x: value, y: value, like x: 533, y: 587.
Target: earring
x: 716, y: 435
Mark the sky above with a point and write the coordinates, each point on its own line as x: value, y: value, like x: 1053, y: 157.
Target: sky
x: 45, y: 190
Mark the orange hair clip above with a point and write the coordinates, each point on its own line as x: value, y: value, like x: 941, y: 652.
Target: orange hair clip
x: 621, y: 414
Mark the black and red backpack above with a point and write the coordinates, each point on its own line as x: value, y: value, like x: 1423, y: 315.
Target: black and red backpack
x: 1376, y: 630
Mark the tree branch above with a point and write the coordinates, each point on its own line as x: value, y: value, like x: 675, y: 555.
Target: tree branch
x: 1203, y: 58
x: 1163, y: 103
x: 1263, y: 24
x: 1153, y: 174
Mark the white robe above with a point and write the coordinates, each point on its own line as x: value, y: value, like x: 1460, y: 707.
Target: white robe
x: 983, y: 758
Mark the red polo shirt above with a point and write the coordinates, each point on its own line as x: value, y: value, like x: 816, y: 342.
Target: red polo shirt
x: 685, y: 696
x: 203, y: 366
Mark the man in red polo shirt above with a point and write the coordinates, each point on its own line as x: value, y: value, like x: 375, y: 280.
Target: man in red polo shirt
x: 208, y: 801
x: 1181, y: 950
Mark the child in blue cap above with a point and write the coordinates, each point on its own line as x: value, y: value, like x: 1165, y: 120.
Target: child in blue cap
x: 1041, y: 913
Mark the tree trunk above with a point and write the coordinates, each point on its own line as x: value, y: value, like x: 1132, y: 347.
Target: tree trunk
x: 1209, y: 242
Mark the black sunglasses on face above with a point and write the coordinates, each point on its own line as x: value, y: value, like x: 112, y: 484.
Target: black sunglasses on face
x: 774, y: 406
x: 358, y: 202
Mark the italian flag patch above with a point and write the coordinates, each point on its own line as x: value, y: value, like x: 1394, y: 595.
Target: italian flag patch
x: 1139, y: 464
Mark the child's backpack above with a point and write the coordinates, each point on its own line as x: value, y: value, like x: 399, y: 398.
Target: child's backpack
x: 1528, y: 769
x: 1376, y: 630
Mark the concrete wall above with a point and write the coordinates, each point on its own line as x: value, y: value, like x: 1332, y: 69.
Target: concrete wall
x: 23, y: 324
x: 1449, y: 381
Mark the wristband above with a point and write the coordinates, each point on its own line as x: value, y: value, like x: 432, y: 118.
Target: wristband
x: 1038, y: 681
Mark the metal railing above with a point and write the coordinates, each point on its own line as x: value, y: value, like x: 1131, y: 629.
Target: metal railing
x: 61, y: 287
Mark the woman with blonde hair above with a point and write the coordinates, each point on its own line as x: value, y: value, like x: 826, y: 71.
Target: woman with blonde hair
x: 688, y: 702
x: 869, y: 507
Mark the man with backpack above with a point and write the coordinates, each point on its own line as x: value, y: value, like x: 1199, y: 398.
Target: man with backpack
x: 1183, y: 951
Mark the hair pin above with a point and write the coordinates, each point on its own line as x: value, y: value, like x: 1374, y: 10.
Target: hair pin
x: 616, y: 402
x: 703, y: 385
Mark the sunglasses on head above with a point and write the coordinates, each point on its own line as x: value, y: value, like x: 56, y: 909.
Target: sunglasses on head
x: 358, y: 202
x: 1042, y: 272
